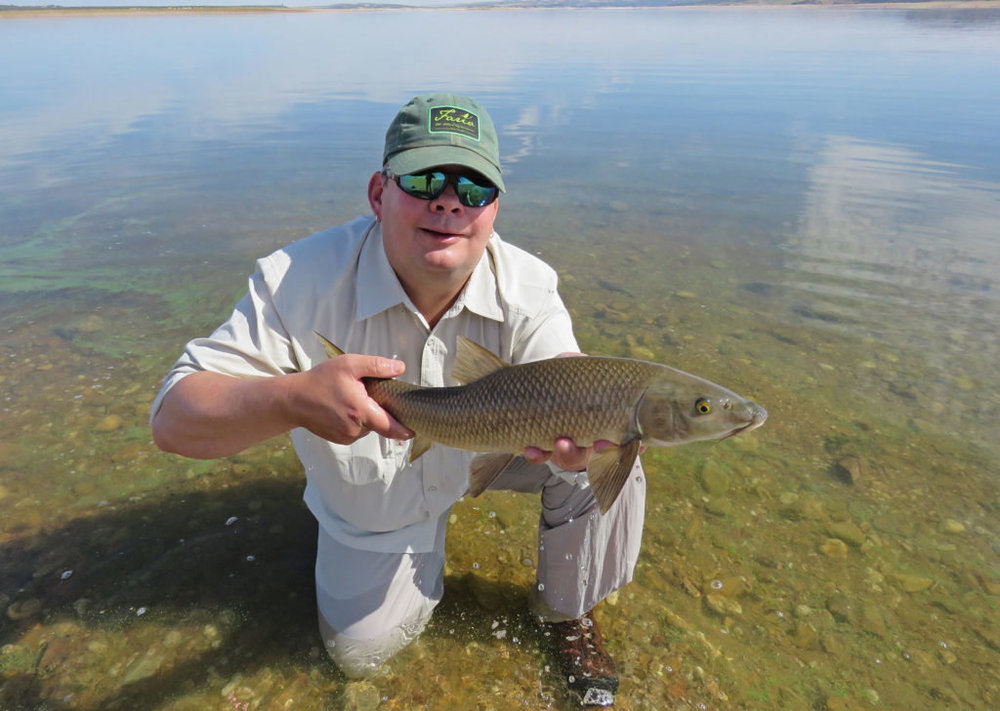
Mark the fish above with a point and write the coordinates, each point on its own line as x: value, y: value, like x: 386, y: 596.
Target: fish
x: 499, y: 409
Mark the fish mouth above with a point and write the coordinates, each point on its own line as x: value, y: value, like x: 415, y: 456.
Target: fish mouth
x: 758, y: 417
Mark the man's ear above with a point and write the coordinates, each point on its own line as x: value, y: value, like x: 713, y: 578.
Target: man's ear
x: 376, y: 186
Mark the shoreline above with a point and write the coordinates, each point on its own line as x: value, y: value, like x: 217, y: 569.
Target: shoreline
x: 12, y: 11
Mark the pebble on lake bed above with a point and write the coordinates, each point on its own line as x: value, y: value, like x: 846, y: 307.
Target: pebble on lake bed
x: 910, y: 583
x: 952, y: 526
x: 723, y: 605
x: 109, y: 424
x: 834, y: 548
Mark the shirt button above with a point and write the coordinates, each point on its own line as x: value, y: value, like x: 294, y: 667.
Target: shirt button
x: 432, y: 488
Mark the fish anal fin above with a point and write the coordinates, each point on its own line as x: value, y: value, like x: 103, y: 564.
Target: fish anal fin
x: 419, y: 446
x: 609, y: 469
x: 485, y: 469
x: 472, y: 362
x: 331, y: 350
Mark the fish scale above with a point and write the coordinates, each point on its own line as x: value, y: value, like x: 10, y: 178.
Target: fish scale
x: 585, y: 400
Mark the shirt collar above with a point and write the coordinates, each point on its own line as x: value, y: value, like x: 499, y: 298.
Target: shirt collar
x: 378, y: 287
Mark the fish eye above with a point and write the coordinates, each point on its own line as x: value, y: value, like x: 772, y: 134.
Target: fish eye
x: 702, y: 406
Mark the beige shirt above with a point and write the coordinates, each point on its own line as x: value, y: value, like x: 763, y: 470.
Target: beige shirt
x: 339, y: 283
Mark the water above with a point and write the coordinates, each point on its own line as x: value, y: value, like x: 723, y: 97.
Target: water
x: 799, y: 204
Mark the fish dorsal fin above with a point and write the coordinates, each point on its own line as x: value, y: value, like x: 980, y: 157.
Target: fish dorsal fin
x: 609, y: 469
x: 331, y: 350
x: 485, y: 469
x: 473, y: 362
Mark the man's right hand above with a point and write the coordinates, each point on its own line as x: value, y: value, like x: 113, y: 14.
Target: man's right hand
x: 208, y: 415
x: 330, y: 400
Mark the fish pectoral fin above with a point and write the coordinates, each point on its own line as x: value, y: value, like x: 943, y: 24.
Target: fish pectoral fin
x: 485, y: 469
x: 608, y: 471
x: 473, y: 362
x: 419, y: 446
x: 331, y: 350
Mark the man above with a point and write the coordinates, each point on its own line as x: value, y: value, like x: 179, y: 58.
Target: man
x: 395, y: 292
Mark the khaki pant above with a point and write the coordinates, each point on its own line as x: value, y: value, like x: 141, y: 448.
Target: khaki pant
x: 371, y: 605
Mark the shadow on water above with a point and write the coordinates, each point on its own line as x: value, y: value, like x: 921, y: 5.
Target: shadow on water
x: 172, y: 598
x: 167, y: 561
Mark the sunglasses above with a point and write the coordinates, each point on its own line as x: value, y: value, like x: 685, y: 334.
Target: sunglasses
x: 429, y: 185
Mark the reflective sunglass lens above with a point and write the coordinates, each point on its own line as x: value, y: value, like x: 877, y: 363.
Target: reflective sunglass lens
x: 425, y: 186
x: 428, y: 186
x: 473, y: 195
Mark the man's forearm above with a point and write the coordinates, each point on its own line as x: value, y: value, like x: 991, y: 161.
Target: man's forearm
x: 208, y: 415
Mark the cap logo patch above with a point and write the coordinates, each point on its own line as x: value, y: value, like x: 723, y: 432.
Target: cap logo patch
x: 450, y: 119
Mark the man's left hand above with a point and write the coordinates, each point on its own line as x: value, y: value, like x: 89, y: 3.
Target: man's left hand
x: 565, y: 454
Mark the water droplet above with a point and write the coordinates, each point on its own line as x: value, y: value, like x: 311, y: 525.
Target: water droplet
x: 716, y: 585
x: 231, y: 520
x: 475, y: 566
x: 541, y: 587
x: 66, y: 574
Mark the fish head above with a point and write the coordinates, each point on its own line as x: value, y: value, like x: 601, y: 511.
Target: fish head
x: 679, y: 407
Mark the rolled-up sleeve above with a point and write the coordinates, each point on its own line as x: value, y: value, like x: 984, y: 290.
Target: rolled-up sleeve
x: 252, y: 342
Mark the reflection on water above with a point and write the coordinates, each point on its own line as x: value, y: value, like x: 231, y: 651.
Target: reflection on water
x: 798, y: 205
x: 900, y: 249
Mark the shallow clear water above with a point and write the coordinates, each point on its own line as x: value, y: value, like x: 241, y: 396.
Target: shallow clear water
x: 801, y: 205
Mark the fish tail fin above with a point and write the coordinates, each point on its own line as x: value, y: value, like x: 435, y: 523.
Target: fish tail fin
x: 608, y: 471
x: 331, y: 350
x: 485, y: 469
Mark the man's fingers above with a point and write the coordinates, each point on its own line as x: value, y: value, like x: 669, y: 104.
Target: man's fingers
x: 536, y: 455
x: 374, y: 366
x: 383, y: 423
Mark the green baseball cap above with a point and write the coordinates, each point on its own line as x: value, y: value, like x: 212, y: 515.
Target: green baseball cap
x: 443, y: 129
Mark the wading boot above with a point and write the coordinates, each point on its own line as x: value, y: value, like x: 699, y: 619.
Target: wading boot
x: 586, y: 666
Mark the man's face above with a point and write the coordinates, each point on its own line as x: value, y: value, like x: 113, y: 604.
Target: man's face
x: 431, y: 243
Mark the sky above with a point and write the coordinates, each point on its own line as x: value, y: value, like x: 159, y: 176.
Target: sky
x: 160, y: 3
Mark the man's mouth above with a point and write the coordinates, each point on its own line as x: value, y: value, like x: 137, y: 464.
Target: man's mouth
x: 438, y: 234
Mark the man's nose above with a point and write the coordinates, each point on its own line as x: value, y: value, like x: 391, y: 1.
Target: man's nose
x: 447, y: 201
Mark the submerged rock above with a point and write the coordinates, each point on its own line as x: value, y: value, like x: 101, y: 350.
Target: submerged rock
x: 847, y: 531
x: 851, y: 470
x: 910, y: 583
x: 722, y: 605
x: 833, y: 548
x: 23, y: 609
x: 109, y: 424
x: 840, y: 607
x: 360, y: 696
